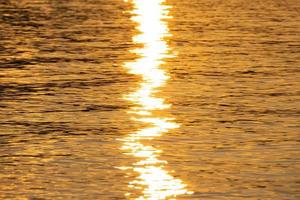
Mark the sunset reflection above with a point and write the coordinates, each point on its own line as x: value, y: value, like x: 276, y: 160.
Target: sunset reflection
x: 154, y: 180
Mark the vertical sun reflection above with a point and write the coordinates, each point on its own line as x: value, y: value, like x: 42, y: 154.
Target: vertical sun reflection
x: 154, y: 180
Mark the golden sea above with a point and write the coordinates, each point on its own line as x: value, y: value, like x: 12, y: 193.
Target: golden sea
x: 149, y: 99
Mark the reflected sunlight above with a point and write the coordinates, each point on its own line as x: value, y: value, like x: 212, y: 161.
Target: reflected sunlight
x: 154, y: 180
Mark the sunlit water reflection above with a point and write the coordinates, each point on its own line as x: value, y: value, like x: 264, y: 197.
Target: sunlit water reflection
x: 155, y: 181
x: 233, y: 88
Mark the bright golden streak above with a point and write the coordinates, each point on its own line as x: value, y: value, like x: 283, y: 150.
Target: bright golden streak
x: 154, y: 179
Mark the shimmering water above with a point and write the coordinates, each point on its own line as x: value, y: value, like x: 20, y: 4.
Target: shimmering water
x: 174, y: 99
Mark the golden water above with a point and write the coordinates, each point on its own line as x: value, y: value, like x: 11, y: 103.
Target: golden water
x: 149, y: 99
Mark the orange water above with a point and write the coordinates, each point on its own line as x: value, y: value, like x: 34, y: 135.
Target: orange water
x: 154, y: 100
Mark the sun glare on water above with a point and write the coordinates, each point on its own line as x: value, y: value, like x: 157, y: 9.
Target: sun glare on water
x: 154, y: 179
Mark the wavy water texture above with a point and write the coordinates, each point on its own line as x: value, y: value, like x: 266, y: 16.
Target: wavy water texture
x: 208, y: 100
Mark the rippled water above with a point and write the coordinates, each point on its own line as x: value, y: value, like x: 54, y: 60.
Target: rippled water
x: 174, y: 99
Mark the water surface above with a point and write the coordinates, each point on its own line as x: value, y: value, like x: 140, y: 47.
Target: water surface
x: 174, y: 99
